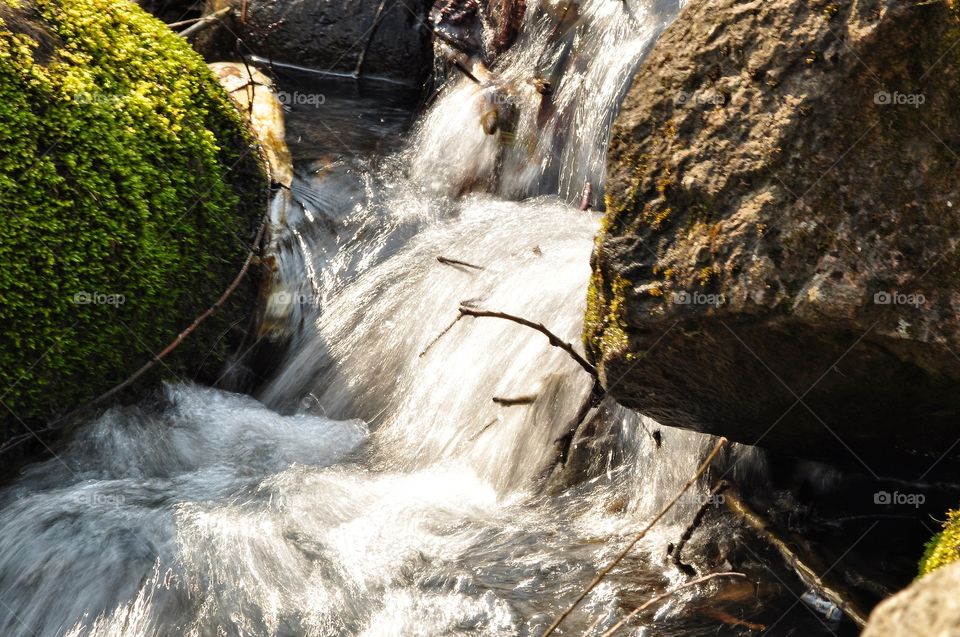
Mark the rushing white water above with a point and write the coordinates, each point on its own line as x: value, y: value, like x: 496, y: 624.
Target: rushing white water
x: 374, y: 487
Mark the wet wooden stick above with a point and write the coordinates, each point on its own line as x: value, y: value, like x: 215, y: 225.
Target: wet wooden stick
x: 803, y: 566
x: 447, y: 261
x: 659, y: 598
x: 484, y: 429
x: 619, y: 558
x: 676, y: 553
x: 439, y: 336
x: 514, y: 401
x: 373, y: 33
x: 555, y: 340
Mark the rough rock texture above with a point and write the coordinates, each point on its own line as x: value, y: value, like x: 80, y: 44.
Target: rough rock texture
x: 929, y: 607
x: 327, y: 35
x: 131, y: 191
x: 777, y: 259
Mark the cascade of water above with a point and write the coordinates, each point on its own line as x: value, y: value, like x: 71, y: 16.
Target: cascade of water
x: 209, y: 514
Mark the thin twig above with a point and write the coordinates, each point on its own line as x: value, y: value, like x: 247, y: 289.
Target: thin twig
x: 373, y: 32
x: 553, y: 338
x: 515, y: 401
x: 204, y: 22
x: 677, y: 551
x: 670, y: 593
x: 440, y: 335
x: 175, y: 343
x: 619, y: 558
x: 447, y: 261
x: 485, y: 427
x: 183, y: 23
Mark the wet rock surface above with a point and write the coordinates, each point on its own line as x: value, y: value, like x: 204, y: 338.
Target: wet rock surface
x: 327, y: 36
x: 777, y: 261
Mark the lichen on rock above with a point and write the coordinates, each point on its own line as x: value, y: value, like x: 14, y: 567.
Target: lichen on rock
x: 130, y: 190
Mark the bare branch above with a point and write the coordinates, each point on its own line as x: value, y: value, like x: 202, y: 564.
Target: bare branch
x: 175, y: 343
x: 677, y: 550
x: 553, y: 338
x: 802, y: 565
x: 455, y: 262
x: 515, y: 401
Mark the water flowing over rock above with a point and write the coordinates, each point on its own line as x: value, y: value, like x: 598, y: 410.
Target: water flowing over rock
x: 777, y: 262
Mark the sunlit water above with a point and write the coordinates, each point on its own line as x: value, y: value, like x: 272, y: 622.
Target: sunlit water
x: 373, y: 487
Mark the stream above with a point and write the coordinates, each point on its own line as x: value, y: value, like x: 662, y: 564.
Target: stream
x: 372, y: 486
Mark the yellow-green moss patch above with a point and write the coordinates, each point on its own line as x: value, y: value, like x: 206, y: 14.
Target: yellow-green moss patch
x: 944, y: 548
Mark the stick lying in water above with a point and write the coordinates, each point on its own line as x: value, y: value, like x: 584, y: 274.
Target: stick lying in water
x: 619, y: 558
x: 677, y: 551
x: 455, y: 262
x: 515, y: 401
x: 801, y: 565
x: 663, y: 596
x: 555, y: 340
x: 373, y: 32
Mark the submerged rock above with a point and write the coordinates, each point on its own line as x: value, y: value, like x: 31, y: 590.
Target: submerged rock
x: 929, y: 607
x: 131, y: 191
x: 777, y: 262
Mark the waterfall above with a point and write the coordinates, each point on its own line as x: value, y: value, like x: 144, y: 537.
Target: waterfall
x: 373, y: 487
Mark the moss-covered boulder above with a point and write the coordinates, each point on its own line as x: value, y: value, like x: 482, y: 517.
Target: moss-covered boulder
x: 778, y: 259
x: 130, y: 193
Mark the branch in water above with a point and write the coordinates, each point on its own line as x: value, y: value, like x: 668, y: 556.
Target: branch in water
x: 372, y: 32
x: 456, y: 262
x: 513, y: 402
x: 802, y: 565
x: 553, y: 338
x: 677, y: 550
x: 670, y: 593
x: 619, y: 558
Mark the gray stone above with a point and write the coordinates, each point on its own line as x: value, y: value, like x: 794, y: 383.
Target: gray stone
x: 929, y: 607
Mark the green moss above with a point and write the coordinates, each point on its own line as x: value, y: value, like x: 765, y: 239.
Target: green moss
x: 604, y: 322
x: 121, y: 166
x: 944, y: 548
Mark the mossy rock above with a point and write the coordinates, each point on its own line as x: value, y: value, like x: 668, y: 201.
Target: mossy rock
x: 131, y: 192
x: 944, y: 548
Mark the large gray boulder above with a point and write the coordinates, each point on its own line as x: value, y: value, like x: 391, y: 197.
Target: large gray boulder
x: 777, y: 259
